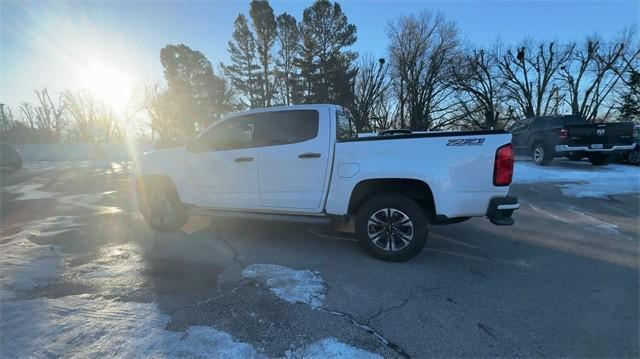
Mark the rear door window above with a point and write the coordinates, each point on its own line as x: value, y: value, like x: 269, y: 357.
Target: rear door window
x: 286, y: 127
x: 346, y: 127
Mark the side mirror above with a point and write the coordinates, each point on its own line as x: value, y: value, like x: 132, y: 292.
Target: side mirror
x: 195, y: 146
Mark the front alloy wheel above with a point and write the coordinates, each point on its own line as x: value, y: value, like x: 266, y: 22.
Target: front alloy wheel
x: 161, y: 206
x: 390, y: 229
x: 160, y: 210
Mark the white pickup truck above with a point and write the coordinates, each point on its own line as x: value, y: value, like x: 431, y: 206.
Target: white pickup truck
x: 307, y: 163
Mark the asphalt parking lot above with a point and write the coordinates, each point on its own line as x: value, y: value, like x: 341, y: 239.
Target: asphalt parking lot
x: 81, y: 274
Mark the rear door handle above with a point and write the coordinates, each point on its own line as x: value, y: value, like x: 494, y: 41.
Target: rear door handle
x: 309, y: 155
x: 244, y: 159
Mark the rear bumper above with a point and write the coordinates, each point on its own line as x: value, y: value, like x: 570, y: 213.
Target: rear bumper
x: 500, y: 210
x: 581, y: 148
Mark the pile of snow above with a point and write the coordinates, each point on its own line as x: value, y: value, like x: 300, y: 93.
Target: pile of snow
x: 294, y: 286
x: 25, y: 265
x: 84, y: 327
x: 330, y: 348
x: 579, y: 179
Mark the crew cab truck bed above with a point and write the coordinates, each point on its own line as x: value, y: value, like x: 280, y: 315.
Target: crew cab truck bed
x: 306, y: 162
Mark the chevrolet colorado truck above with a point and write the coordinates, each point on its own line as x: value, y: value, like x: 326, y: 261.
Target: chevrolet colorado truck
x: 547, y: 137
x: 307, y: 163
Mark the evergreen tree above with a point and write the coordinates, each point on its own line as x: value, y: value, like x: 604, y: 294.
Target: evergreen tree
x: 326, y: 63
x: 243, y: 71
x: 630, y: 108
x: 265, y: 28
x: 197, y: 95
x: 289, y: 43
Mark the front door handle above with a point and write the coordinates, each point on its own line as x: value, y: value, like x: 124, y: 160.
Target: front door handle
x: 244, y: 159
x: 309, y: 155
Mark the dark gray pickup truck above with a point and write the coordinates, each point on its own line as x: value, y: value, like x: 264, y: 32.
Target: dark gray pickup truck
x: 547, y: 137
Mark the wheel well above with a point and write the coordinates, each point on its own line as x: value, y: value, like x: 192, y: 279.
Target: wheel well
x: 145, y: 182
x: 534, y: 143
x: 417, y: 190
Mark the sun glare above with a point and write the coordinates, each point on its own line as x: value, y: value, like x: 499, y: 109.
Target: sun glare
x: 108, y: 84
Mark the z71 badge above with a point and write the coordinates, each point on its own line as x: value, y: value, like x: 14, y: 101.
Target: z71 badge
x: 466, y: 142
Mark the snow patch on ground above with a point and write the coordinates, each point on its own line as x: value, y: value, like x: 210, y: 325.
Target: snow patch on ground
x: 25, y: 265
x: 294, y: 286
x: 581, y: 179
x: 330, y: 348
x: 85, y: 327
x: 29, y: 191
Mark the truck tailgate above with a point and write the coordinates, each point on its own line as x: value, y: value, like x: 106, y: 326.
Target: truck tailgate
x: 604, y: 133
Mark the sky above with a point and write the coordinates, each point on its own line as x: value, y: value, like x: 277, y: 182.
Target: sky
x: 113, y: 47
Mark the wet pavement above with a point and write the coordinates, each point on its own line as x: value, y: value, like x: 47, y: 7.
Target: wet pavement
x: 81, y: 274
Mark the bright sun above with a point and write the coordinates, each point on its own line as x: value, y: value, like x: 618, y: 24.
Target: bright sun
x: 109, y: 85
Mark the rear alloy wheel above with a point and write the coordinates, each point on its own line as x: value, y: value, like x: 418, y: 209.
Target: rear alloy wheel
x: 599, y: 160
x: 541, y: 155
x: 392, y: 227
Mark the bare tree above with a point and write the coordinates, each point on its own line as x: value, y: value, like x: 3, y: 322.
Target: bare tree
x: 28, y: 115
x: 371, y: 83
x: 594, y: 74
x: 383, y: 112
x: 421, y: 46
x: 93, y: 121
x: 530, y: 76
x: 49, y: 113
x: 480, y: 91
x: 161, y: 111
x: 7, y: 122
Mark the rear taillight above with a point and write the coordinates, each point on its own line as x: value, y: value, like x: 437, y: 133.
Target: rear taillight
x: 503, y: 166
x: 564, y: 133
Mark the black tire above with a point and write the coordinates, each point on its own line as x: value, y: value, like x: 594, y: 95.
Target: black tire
x: 574, y: 157
x: 599, y: 160
x: 408, y: 238
x: 161, y: 207
x: 542, y: 155
x: 634, y: 157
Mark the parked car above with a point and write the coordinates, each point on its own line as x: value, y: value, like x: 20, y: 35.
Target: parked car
x: 547, y: 137
x: 10, y: 156
x: 306, y: 163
